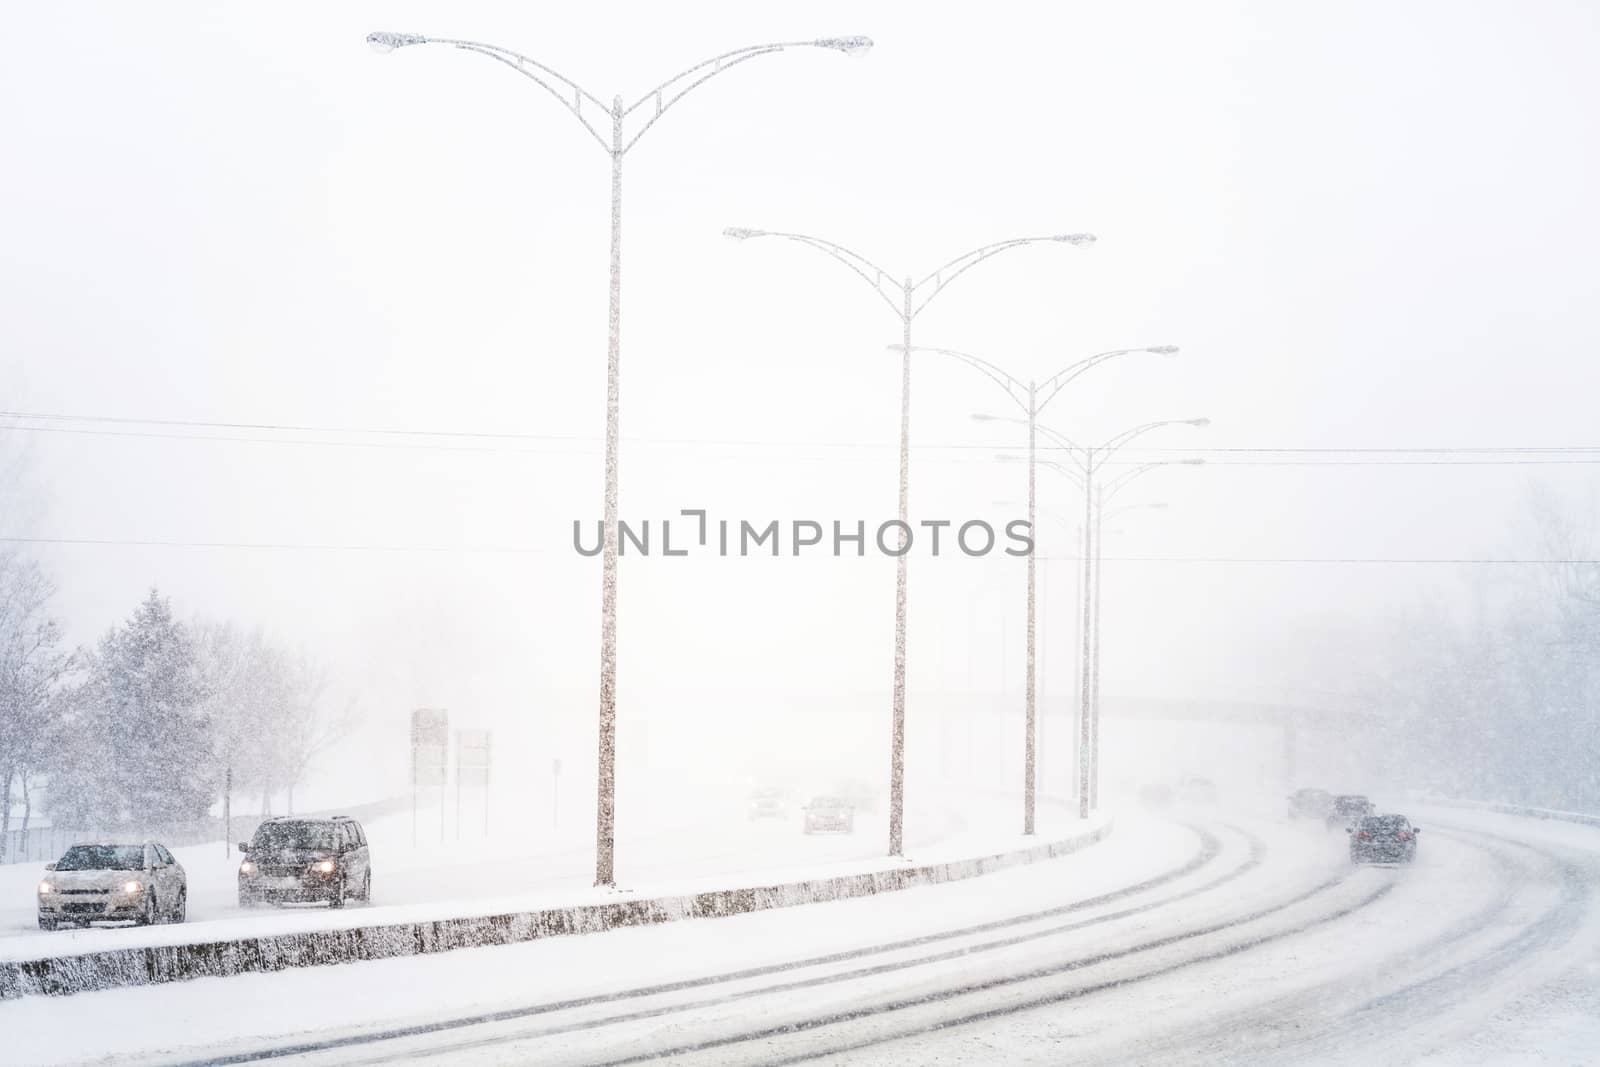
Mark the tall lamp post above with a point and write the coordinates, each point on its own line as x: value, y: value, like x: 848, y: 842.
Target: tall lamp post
x: 907, y: 299
x: 616, y: 143
x: 1103, y: 495
x: 1086, y: 461
x: 1033, y: 397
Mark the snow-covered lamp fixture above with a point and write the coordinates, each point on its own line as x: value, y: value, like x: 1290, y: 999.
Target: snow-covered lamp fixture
x: 1079, y: 239
x: 383, y: 43
x: 850, y: 46
x: 1163, y: 350
x: 741, y: 233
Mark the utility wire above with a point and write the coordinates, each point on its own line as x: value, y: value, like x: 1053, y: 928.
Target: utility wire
x: 528, y: 550
x: 281, y: 427
x: 1577, y: 456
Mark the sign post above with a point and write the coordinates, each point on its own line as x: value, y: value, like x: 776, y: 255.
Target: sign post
x: 430, y: 750
x: 555, y: 793
x: 472, y: 769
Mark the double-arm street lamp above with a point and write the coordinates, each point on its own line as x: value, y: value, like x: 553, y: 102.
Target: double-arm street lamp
x: 1032, y: 397
x: 907, y: 299
x: 627, y: 124
x: 1104, y: 492
x: 1086, y: 462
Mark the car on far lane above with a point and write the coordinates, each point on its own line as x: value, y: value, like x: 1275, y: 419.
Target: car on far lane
x: 140, y: 883
x: 769, y: 802
x: 834, y: 815
x: 1202, y: 791
x: 1383, y: 839
x: 1349, y: 808
x: 293, y: 860
x: 1310, y: 804
x: 1156, y: 795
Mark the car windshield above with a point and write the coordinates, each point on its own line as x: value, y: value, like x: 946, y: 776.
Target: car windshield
x: 830, y: 802
x: 294, y: 835
x: 1385, y: 824
x: 1351, y: 803
x: 102, y: 858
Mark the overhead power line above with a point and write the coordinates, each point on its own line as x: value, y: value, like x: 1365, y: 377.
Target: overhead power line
x: 102, y: 542
x: 562, y: 444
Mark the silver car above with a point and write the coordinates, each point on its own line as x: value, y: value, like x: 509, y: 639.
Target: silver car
x: 140, y: 883
x: 830, y: 815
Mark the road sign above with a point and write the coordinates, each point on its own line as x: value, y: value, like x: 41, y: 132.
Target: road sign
x: 472, y: 757
x: 430, y: 746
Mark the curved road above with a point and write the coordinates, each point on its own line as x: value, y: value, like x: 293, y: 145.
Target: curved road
x: 1221, y: 939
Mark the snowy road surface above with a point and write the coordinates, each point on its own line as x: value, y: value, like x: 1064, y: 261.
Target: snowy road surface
x: 432, y: 879
x: 1222, y: 939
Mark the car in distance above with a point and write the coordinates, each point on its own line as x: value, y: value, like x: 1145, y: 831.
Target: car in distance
x: 1201, y: 791
x: 1383, y: 839
x: 861, y: 795
x: 1156, y: 795
x: 293, y: 860
x: 834, y: 815
x: 1349, y: 808
x: 140, y: 883
x: 769, y: 802
x: 1310, y: 804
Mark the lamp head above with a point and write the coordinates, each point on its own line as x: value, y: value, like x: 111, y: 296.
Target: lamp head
x: 850, y: 46
x: 1163, y: 350
x: 1079, y: 239
x: 1192, y: 462
x: 1198, y: 422
x: 741, y: 233
x: 383, y: 42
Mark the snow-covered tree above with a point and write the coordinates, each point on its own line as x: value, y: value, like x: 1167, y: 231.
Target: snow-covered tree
x: 31, y: 666
x: 136, y: 746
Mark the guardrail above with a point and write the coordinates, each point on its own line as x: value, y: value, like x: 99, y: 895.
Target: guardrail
x: 171, y: 963
x: 41, y: 844
x: 1585, y: 818
x: 36, y: 844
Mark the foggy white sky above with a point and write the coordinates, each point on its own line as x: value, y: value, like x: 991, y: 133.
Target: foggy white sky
x: 1369, y: 226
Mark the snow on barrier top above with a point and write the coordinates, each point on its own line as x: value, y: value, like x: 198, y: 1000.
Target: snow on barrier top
x: 1582, y: 817
x: 147, y: 965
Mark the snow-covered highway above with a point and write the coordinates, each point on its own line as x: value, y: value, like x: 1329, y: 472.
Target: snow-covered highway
x: 1215, y: 938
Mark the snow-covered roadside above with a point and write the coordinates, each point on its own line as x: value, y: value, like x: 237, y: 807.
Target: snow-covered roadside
x: 249, y: 1010
x: 171, y: 953
x: 433, y: 882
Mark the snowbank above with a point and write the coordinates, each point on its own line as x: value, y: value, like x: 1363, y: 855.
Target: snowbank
x: 150, y: 964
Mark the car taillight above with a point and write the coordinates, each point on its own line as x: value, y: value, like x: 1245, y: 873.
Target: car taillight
x: 1403, y: 835
x: 1364, y: 834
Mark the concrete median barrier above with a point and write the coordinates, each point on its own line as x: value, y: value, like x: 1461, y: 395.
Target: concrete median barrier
x: 147, y: 965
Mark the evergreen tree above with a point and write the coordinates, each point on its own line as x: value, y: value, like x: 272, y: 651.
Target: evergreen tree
x: 138, y: 749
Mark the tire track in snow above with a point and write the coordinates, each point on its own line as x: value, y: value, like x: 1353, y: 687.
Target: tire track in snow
x: 1209, y: 850
x: 1383, y: 1020
x: 1018, y: 978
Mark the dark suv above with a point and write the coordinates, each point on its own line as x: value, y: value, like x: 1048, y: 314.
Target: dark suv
x: 299, y: 860
x: 1383, y: 839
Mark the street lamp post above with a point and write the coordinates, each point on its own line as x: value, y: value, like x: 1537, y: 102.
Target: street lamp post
x: 1103, y: 495
x: 907, y: 300
x: 1032, y: 398
x: 1086, y: 461
x: 1099, y: 537
x: 615, y: 142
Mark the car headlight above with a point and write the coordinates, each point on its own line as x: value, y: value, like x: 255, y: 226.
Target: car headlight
x: 132, y: 887
x: 46, y: 887
x: 247, y: 867
x: 325, y: 867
